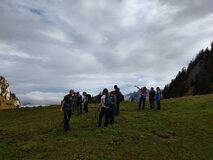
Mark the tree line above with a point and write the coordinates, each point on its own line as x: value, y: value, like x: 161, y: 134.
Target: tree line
x: 196, y: 79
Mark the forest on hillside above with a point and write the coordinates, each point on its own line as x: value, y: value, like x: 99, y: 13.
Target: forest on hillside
x: 196, y: 79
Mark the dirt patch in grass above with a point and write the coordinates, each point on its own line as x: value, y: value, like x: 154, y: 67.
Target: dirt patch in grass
x: 167, y: 137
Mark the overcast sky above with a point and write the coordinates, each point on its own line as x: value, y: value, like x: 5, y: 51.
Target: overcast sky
x: 50, y: 46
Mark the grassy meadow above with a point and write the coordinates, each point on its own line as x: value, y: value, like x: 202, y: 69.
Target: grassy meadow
x: 182, y: 129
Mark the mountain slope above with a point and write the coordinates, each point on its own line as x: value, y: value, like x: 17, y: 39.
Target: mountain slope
x: 181, y: 130
x: 196, y: 79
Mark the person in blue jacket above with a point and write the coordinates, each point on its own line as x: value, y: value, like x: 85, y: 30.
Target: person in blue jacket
x: 158, y: 97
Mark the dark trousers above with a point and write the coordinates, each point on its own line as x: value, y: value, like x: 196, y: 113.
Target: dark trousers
x: 142, y: 100
x: 104, y: 112
x: 67, y: 117
x: 79, y: 108
x: 73, y: 108
x: 158, y: 104
x: 115, y: 110
x: 111, y: 115
x: 85, y: 107
x: 152, y: 103
x: 118, y: 108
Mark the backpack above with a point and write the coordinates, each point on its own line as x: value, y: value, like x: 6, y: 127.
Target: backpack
x: 79, y: 99
x: 121, y: 97
x: 113, y: 99
x: 88, y: 97
x: 107, y: 102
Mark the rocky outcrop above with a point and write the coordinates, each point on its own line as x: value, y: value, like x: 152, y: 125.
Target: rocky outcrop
x: 8, y: 100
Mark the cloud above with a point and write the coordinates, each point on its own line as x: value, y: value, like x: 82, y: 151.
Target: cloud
x: 41, y: 98
x: 52, y: 46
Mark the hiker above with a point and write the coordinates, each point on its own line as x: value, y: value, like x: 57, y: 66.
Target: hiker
x: 142, y: 97
x: 105, y: 104
x: 66, y: 106
x: 74, y: 108
x: 152, y: 98
x: 119, y: 97
x: 85, y: 101
x: 112, y: 108
x: 158, y: 97
x: 79, y: 103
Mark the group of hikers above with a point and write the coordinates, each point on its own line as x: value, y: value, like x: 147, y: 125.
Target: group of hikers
x: 153, y: 95
x: 73, y: 102
x: 76, y: 101
x: 109, y: 106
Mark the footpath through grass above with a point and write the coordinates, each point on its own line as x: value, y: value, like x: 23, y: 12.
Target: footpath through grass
x: 182, y: 129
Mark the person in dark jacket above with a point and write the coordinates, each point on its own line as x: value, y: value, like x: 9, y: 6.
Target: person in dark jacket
x: 119, y: 97
x: 152, y: 98
x: 112, y: 108
x: 66, y: 107
x: 79, y: 103
x: 85, y: 102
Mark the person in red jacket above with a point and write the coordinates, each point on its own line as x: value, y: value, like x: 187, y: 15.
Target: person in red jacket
x: 143, y: 91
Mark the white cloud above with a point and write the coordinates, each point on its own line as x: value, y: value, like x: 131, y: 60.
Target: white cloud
x: 41, y: 98
x: 52, y: 46
x: 56, y: 35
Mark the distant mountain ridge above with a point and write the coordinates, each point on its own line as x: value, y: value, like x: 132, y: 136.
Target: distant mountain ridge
x: 134, y: 96
x: 196, y: 79
x: 8, y: 100
x: 131, y: 96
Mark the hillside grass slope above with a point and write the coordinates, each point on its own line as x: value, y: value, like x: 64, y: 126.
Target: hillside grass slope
x: 182, y: 129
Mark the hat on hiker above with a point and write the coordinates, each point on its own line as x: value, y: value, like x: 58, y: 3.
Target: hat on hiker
x: 71, y: 91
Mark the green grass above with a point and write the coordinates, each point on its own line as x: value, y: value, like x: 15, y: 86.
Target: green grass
x: 182, y: 129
